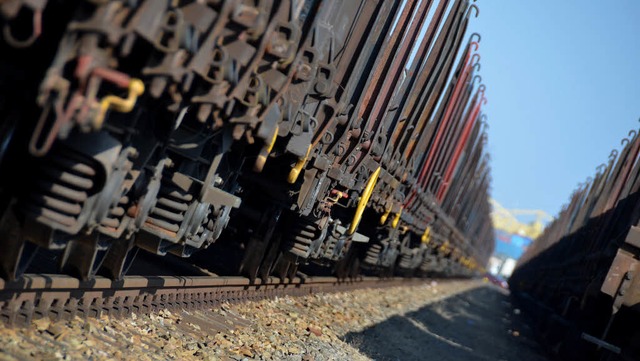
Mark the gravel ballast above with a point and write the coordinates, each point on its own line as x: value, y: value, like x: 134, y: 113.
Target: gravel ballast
x: 335, y: 326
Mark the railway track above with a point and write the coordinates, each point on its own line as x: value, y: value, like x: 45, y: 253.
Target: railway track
x: 61, y: 297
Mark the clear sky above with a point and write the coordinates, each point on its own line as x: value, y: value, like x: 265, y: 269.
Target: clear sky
x: 563, y: 84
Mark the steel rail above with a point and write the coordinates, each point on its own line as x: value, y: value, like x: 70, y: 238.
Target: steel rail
x: 63, y: 297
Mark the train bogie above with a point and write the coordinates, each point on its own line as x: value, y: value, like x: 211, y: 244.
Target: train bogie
x: 335, y: 133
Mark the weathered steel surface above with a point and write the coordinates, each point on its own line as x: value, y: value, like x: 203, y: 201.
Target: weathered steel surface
x: 260, y: 135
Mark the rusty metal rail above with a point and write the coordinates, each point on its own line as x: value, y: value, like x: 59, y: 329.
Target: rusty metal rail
x: 64, y: 297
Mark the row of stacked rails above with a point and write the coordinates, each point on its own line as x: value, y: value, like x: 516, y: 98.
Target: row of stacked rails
x: 578, y: 280
x: 263, y: 134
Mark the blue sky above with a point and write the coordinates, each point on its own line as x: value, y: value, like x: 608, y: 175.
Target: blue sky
x: 563, y: 84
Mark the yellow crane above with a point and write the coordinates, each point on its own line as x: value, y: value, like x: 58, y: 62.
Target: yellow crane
x: 506, y: 220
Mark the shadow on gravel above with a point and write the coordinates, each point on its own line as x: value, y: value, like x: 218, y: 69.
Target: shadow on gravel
x: 475, y: 325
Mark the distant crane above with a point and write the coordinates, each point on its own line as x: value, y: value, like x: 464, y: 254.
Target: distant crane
x: 506, y: 220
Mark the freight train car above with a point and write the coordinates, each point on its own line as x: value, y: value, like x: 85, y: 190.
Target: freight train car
x: 344, y: 134
x: 578, y: 279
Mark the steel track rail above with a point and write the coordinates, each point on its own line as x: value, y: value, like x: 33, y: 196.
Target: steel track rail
x: 62, y: 297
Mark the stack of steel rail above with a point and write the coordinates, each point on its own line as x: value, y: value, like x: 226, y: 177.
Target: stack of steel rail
x: 266, y: 136
x: 578, y: 279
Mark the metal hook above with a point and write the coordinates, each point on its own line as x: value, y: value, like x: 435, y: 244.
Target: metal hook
x: 475, y: 34
x: 473, y: 6
x: 481, y: 88
x: 36, y: 30
x: 473, y: 43
x: 485, y: 124
x: 624, y: 142
x: 474, y: 80
x: 632, y: 131
x: 614, y: 153
x: 476, y: 65
x: 601, y: 168
x: 474, y: 57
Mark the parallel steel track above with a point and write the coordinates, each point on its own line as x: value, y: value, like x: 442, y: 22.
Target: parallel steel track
x: 61, y: 297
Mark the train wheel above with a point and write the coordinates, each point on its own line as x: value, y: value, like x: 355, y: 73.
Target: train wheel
x: 15, y: 258
x: 258, y: 255
x: 250, y: 265
x: 285, y: 268
x: 16, y: 253
x: 271, y: 257
x: 349, y: 266
x: 119, y: 259
x: 83, y: 257
x: 354, y: 269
